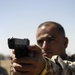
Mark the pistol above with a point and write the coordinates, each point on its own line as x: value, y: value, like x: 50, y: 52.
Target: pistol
x: 20, y: 46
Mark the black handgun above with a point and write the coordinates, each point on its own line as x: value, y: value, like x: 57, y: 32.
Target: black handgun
x: 20, y: 46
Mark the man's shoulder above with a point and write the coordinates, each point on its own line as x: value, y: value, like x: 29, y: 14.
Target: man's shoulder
x: 58, y: 65
x: 71, y: 57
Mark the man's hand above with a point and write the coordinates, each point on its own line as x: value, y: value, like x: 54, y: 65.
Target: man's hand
x: 28, y: 65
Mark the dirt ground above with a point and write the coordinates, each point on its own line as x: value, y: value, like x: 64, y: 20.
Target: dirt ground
x: 5, y: 64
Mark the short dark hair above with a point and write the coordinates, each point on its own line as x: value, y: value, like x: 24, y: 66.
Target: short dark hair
x: 59, y: 26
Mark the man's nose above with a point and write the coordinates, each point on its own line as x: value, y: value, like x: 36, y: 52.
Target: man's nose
x: 44, y: 45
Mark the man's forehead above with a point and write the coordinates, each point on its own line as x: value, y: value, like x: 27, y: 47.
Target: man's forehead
x: 47, y: 29
x: 44, y: 36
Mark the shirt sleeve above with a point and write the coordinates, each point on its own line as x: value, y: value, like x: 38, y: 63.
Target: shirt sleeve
x: 57, y: 66
x: 67, y: 67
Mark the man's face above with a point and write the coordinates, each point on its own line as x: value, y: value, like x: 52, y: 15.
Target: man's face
x: 51, y: 41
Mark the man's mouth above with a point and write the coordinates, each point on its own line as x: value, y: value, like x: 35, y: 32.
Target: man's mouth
x: 47, y: 52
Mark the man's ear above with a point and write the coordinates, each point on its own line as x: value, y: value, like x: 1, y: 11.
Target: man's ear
x: 66, y: 42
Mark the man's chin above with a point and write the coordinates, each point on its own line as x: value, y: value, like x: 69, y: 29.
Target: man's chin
x: 48, y: 55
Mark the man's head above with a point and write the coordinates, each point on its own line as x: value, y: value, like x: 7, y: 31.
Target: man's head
x: 51, y: 38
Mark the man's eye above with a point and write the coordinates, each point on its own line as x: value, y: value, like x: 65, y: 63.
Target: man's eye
x: 50, y: 39
x: 39, y: 42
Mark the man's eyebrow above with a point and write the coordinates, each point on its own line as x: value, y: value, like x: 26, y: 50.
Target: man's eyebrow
x: 52, y: 37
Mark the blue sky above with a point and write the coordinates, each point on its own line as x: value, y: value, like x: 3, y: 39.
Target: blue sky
x: 20, y: 18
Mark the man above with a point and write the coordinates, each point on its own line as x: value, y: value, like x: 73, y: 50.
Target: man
x: 49, y: 56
